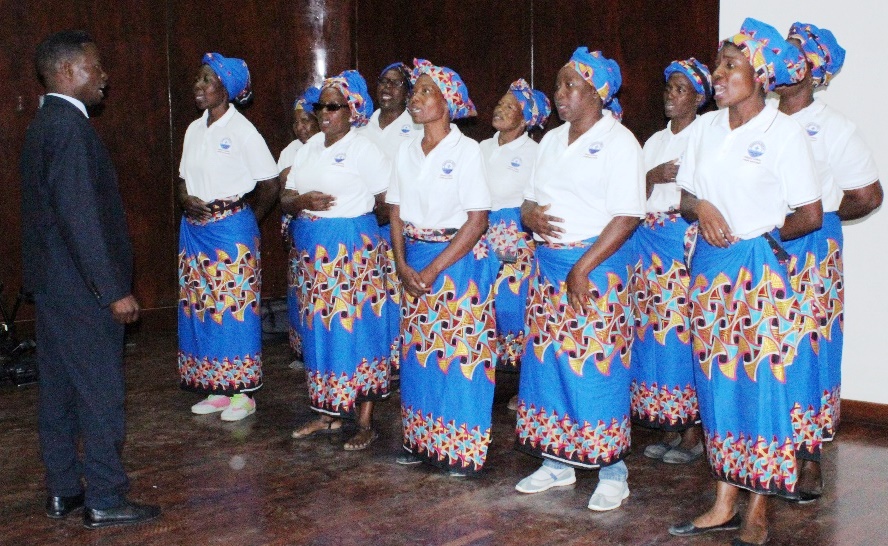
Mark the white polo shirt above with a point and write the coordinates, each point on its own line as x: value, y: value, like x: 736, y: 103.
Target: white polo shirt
x: 352, y: 170
x: 437, y: 191
x: 395, y: 133
x: 285, y: 161
x: 754, y: 175
x: 599, y: 176
x: 508, y: 169
x: 665, y: 146
x: 844, y: 161
x: 225, y: 159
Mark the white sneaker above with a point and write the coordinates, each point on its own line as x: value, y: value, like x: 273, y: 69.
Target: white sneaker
x: 546, y: 478
x: 211, y: 404
x: 240, y: 407
x: 608, y: 495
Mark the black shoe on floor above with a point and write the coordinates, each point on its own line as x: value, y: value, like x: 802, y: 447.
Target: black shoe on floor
x: 407, y: 458
x: 688, y: 529
x: 59, y: 507
x: 127, y: 513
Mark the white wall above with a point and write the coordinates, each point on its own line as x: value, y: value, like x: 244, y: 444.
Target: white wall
x: 857, y: 92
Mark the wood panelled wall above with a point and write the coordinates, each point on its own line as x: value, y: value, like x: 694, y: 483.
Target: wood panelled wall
x: 134, y: 124
x: 152, y: 50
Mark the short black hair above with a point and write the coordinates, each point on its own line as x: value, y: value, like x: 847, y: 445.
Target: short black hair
x: 58, y: 47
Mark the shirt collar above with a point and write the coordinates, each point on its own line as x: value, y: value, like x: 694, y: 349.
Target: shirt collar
x: 79, y: 104
x: 515, y: 144
x: 405, y: 117
x: 761, y: 122
x: 601, y: 127
x: 449, y: 141
x: 669, y: 126
x: 812, y: 109
x: 342, y: 141
x: 221, y: 122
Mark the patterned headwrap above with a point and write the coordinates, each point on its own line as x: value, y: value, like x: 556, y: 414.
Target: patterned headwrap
x: 353, y: 87
x: 775, y: 61
x: 535, y: 104
x: 696, y: 72
x: 824, y: 54
x: 451, y: 85
x: 602, y: 73
x: 403, y: 70
x: 306, y: 100
x: 233, y: 73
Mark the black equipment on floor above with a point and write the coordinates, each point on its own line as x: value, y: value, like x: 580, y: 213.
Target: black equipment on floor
x: 18, y: 361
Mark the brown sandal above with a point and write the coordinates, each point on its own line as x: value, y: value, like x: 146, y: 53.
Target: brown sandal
x: 359, y: 447
x: 327, y: 428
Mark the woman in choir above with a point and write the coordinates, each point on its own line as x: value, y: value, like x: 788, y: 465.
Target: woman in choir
x: 305, y: 126
x: 440, y: 203
x: 509, y: 157
x: 851, y: 190
x: 663, y: 393
x: 745, y: 166
x: 389, y: 127
x: 391, y: 124
x: 585, y: 199
x: 223, y: 159
x: 339, y: 178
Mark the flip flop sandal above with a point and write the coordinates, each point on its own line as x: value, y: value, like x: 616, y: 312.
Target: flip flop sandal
x: 329, y: 429
x: 360, y: 447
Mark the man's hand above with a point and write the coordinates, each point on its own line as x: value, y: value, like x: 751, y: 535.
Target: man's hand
x: 125, y: 310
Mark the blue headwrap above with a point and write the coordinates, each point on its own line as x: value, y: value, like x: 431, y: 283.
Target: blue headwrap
x: 451, y: 85
x: 824, y: 54
x: 534, y: 104
x: 402, y: 69
x: 353, y: 87
x: 306, y: 100
x: 696, y: 72
x: 602, y: 73
x: 233, y: 73
x: 775, y: 61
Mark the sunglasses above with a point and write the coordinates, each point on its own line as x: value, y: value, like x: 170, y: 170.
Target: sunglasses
x: 330, y: 107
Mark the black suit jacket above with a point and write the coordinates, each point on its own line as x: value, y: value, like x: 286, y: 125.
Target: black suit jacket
x: 74, y: 233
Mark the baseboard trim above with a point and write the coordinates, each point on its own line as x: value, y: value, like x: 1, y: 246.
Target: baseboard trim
x: 869, y: 413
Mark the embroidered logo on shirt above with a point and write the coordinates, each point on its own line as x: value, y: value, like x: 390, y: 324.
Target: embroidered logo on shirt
x: 755, y: 151
x: 339, y: 158
x: 812, y: 129
x: 447, y: 167
x: 516, y: 162
x: 225, y: 144
x: 405, y: 129
x: 594, y: 148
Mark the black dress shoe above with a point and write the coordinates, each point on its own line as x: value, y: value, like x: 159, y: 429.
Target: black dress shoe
x: 127, y: 513
x: 59, y: 507
x: 688, y: 529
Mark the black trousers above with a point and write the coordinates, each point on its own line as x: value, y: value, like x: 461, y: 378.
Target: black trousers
x: 80, y: 357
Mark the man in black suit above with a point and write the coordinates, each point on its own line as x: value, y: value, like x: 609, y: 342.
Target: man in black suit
x: 78, y: 265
